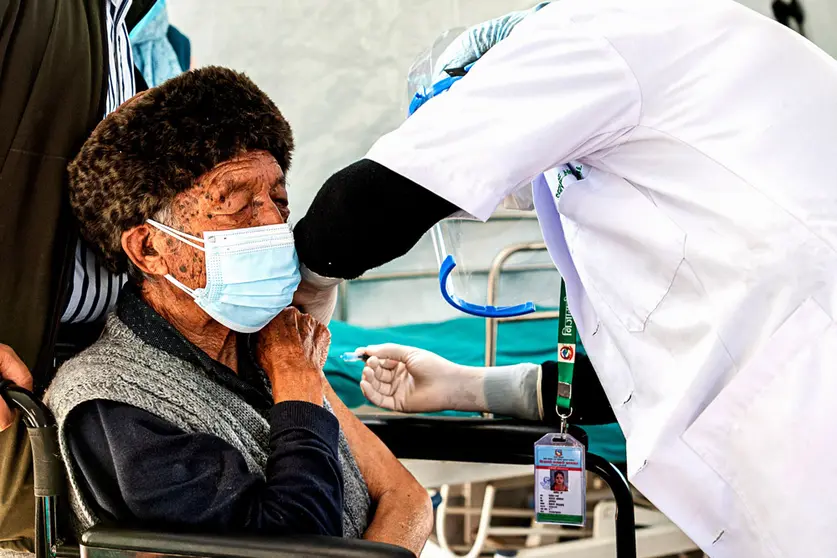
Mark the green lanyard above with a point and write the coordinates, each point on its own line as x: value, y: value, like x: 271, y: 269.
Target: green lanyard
x: 566, y: 359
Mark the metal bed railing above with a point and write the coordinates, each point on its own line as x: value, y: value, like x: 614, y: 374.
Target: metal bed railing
x: 494, y: 272
x: 343, y: 298
x: 496, y: 269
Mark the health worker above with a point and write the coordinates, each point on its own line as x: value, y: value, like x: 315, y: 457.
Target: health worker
x: 698, y: 243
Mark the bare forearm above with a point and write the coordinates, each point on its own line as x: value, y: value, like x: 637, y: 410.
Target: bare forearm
x: 403, y: 513
x: 292, y: 382
x: 403, y: 519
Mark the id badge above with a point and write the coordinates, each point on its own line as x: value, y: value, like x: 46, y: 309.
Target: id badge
x: 560, y: 483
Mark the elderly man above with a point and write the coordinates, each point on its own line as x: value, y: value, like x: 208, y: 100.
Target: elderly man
x: 203, y: 405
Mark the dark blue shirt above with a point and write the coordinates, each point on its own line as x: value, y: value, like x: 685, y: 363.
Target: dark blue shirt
x: 136, y: 468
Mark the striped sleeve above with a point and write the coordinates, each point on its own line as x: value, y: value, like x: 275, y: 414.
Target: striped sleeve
x: 94, y: 289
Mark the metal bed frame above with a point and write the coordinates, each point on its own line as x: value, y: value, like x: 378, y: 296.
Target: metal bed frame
x: 497, y: 267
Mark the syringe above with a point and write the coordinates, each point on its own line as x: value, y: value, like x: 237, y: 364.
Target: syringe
x: 353, y: 356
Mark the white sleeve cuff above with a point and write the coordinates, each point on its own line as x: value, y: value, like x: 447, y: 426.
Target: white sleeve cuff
x: 317, y: 280
x: 514, y: 391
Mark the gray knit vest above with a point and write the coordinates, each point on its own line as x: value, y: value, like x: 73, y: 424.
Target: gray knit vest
x: 121, y: 367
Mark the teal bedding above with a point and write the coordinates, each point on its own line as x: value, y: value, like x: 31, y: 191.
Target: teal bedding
x: 460, y: 340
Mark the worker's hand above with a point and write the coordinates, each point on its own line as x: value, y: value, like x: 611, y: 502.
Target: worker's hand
x: 11, y: 368
x: 292, y: 349
x: 475, y: 41
x: 411, y: 380
x: 316, y: 295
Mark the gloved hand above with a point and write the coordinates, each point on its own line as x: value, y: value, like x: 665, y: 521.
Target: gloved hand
x: 12, y: 368
x: 407, y: 379
x: 316, y: 295
x: 475, y: 41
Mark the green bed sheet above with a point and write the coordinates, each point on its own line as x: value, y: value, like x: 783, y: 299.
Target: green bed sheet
x: 460, y: 340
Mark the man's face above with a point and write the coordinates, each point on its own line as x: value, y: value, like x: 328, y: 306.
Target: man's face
x: 248, y: 191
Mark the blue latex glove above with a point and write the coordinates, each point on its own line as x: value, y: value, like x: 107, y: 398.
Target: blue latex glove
x: 475, y: 41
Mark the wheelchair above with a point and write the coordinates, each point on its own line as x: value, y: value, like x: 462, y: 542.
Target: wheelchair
x: 477, y: 440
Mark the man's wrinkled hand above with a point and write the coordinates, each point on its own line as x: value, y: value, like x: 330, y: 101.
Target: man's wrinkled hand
x: 12, y: 368
x: 292, y: 349
x: 294, y: 337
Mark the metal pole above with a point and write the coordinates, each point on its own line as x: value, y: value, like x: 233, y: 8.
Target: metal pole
x: 494, y: 285
x: 41, y: 548
x: 432, y: 274
x: 545, y: 315
x: 343, y: 301
x: 51, y: 540
x: 625, y: 520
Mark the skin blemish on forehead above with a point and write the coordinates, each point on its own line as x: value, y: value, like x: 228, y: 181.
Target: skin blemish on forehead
x: 233, y: 194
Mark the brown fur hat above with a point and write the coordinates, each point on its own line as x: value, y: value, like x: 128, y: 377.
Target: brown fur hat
x: 158, y: 144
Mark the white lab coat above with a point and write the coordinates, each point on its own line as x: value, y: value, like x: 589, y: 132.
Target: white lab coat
x: 699, y: 252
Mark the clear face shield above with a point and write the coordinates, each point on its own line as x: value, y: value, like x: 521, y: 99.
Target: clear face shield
x: 485, y: 269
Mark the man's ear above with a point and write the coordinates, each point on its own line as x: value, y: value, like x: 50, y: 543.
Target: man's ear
x: 137, y: 242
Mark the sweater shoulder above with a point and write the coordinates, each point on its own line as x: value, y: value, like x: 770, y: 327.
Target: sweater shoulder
x: 119, y: 367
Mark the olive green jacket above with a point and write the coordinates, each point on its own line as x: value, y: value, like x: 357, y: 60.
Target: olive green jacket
x: 52, y: 78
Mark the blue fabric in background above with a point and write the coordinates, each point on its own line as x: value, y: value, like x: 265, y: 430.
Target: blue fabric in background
x: 154, y: 55
x: 460, y: 340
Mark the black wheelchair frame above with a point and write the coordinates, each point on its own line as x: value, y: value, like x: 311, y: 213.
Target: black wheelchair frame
x: 449, y: 439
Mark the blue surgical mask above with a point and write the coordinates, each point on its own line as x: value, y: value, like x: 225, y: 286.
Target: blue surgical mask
x: 251, y: 274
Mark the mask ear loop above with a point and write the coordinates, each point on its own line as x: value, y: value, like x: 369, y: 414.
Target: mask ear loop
x: 179, y: 285
x: 181, y: 236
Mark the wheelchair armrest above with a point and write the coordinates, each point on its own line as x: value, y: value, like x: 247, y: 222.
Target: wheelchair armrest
x: 34, y: 412
x: 43, y: 436
x: 107, y: 542
x: 476, y: 440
